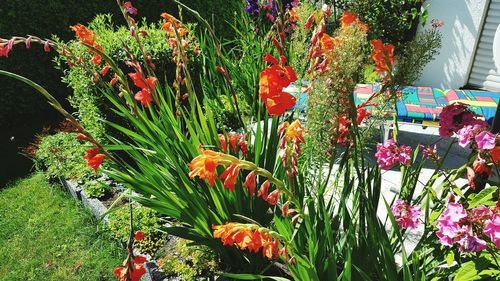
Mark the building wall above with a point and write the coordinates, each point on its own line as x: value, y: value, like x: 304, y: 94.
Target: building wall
x: 462, y: 26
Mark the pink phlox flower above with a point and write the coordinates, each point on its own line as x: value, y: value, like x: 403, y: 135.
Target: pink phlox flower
x: 485, y: 140
x: 389, y: 154
x: 406, y: 215
x: 492, y: 229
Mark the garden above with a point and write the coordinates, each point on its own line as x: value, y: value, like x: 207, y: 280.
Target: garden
x: 238, y: 142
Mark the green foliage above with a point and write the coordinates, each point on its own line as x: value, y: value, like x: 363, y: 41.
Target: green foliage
x: 188, y: 262
x: 146, y: 220
x: 413, y: 56
x: 46, y: 235
x: 393, y: 21
x: 61, y: 155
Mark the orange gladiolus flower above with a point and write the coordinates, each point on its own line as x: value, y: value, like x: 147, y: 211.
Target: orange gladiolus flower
x: 382, y: 55
x: 348, y: 18
x: 205, y: 165
x: 273, y: 80
x: 147, y: 86
x: 294, y: 132
x: 223, y: 142
x: 294, y: 14
x: 250, y: 182
x: 94, y: 158
x: 84, y: 34
x: 251, y: 237
x: 263, y: 190
x: 230, y: 175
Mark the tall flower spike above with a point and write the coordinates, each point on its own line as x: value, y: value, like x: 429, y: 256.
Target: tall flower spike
x: 249, y: 236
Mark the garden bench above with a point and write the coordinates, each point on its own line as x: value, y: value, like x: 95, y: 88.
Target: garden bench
x: 420, y: 105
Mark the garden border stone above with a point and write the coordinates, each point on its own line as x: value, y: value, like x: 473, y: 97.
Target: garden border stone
x: 98, y: 209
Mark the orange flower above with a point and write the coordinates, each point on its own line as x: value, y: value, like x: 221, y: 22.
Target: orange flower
x: 382, y: 55
x: 230, y: 175
x: 294, y: 14
x: 273, y: 80
x: 263, y: 190
x: 223, y: 143
x: 248, y: 236
x: 94, y: 158
x: 250, y: 182
x: 233, y: 140
x: 172, y: 25
x: 84, y: 34
x: 294, y: 132
x: 205, y: 165
x: 272, y: 199
x: 348, y: 18
x: 147, y: 86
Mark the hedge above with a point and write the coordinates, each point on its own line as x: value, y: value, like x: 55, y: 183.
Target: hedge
x: 19, y: 104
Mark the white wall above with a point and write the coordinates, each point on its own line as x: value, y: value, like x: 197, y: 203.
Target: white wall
x: 462, y: 27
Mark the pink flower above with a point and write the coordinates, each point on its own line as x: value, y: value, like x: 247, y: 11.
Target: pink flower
x: 407, y: 216
x: 431, y: 153
x: 453, y: 118
x: 471, y: 243
x: 130, y: 9
x: 492, y: 229
x: 485, y: 140
x: 389, y: 154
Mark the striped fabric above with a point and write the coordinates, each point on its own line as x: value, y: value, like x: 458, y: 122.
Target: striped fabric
x: 424, y: 104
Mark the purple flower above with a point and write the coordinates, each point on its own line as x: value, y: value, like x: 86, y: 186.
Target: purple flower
x: 485, y: 140
x: 407, y: 216
x: 252, y: 7
x: 471, y: 243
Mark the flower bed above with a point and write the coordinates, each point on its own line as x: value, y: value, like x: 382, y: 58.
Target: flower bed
x: 261, y: 199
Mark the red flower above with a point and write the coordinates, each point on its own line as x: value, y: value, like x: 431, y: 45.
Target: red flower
x: 263, y: 190
x: 382, y: 55
x: 144, y: 96
x: 272, y: 199
x: 223, y: 143
x: 139, y: 235
x: 495, y: 155
x: 105, y: 70
x: 4, y: 51
x: 130, y: 9
x: 273, y: 80
x: 230, y: 175
x: 94, y: 158
x: 348, y: 18
x: 250, y: 182
x: 85, y: 35
x: 147, y: 86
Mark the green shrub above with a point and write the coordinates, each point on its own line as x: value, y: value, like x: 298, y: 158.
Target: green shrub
x: 62, y: 156
x: 18, y: 103
x: 146, y: 220
x: 393, y: 21
x: 188, y: 262
x: 87, y: 99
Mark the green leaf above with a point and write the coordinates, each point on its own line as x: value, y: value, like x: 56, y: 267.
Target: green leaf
x: 450, y: 258
x: 484, y: 197
x: 469, y: 271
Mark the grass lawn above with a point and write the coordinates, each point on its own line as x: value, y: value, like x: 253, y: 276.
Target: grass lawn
x: 46, y: 235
